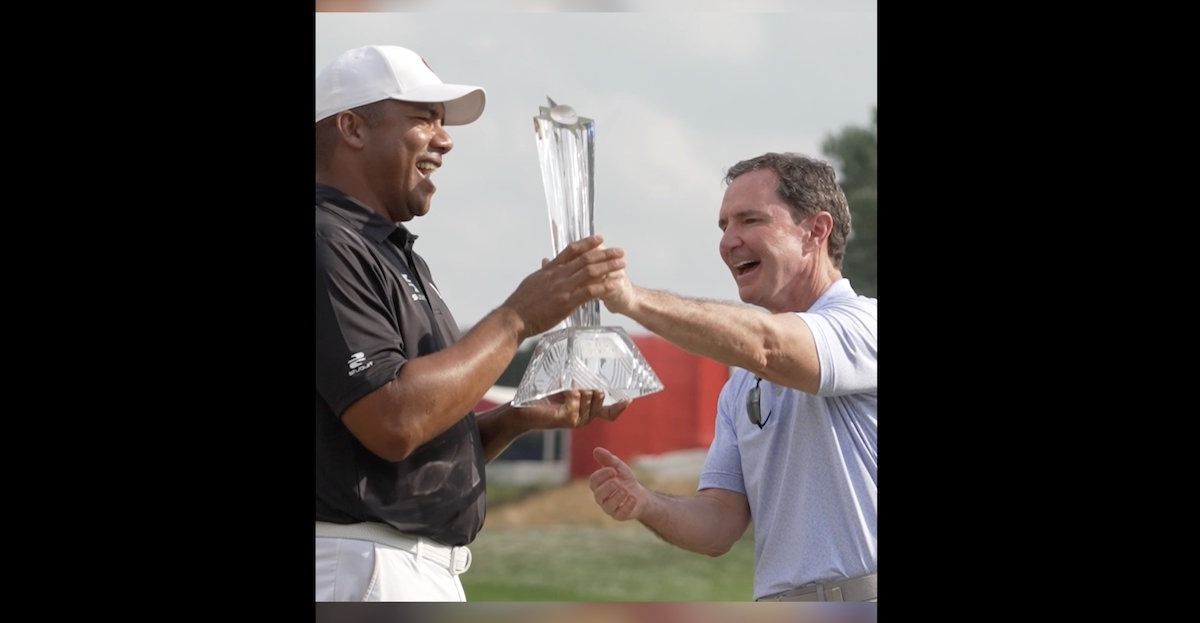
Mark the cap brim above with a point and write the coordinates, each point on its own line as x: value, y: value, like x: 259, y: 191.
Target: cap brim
x: 464, y: 104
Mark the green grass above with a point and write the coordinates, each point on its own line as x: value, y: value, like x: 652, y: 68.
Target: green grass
x: 499, y: 494
x: 579, y: 563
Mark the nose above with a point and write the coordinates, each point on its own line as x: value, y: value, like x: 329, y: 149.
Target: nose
x: 441, y: 140
x: 729, y: 241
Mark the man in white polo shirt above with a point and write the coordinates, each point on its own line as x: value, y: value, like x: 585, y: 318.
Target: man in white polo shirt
x: 795, y: 443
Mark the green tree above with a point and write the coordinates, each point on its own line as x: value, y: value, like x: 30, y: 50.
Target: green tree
x: 854, y: 151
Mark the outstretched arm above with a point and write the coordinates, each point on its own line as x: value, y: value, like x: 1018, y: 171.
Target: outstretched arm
x: 777, y: 347
x: 709, y: 522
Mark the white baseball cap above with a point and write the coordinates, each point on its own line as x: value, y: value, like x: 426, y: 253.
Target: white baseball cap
x: 374, y: 73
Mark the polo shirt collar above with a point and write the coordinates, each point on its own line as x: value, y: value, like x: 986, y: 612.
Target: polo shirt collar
x: 367, y: 221
x: 838, y: 289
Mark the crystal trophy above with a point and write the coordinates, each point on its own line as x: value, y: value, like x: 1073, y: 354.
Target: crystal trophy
x: 582, y: 355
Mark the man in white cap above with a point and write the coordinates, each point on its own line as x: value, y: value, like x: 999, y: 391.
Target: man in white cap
x: 400, y: 452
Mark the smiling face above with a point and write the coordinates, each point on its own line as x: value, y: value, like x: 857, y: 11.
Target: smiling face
x: 401, y: 152
x: 763, y: 246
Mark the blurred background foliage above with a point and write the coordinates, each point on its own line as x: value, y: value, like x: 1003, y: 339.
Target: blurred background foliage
x: 853, y: 152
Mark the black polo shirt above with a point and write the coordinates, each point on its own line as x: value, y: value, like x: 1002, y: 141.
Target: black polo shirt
x: 374, y: 313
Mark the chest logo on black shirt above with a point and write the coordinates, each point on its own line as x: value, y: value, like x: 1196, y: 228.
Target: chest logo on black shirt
x: 416, y: 294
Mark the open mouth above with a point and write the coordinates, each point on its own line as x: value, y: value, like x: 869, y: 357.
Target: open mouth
x: 426, y: 167
x: 745, y: 267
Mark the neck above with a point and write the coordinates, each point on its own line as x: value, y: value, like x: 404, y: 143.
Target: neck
x: 807, y: 288
x: 354, y: 185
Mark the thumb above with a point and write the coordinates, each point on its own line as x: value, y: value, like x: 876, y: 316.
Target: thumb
x: 608, y: 459
x: 544, y: 262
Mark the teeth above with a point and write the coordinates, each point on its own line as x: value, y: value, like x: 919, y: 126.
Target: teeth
x: 744, y: 263
x: 427, y: 166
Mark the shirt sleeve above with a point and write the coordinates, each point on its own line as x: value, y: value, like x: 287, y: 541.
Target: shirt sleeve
x: 847, y: 348
x: 359, y: 344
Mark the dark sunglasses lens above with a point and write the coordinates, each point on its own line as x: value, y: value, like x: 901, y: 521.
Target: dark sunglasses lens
x: 752, y: 406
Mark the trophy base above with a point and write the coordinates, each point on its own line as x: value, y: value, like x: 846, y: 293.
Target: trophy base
x: 587, y: 358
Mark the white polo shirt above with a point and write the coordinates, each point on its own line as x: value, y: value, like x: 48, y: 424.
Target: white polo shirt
x: 810, y: 472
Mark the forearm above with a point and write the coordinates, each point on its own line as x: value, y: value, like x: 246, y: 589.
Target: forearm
x: 434, y: 391
x: 701, y: 523
x: 447, y: 384
x: 777, y: 347
x: 727, y: 333
x: 498, y: 429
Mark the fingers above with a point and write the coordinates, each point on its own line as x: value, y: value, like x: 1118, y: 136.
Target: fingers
x: 597, y: 268
x: 608, y: 459
x: 587, y: 262
x: 622, y: 505
x: 596, y: 406
x: 594, y: 263
x: 615, y: 489
x: 570, y: 408
x: 580, y: 407
x: 587, y: 275
x: 589, y: 403
x: 577, y: 248
x: 617, y: 498
x: 575, y: 408
x: 609, y: 494
x: 601, y: 476
x: 604, y: 479
x: 603, y: 261
x: 610, y: 413
x: 580, y: 273
x: 607, y: 285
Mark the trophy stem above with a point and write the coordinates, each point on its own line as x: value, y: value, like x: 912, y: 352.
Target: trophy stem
x: 588, y: 315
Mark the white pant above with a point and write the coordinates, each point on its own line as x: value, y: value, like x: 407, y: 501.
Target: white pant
x: 353, y: 570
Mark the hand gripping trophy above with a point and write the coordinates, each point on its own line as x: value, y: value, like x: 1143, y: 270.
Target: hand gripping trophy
x: 582, y: 355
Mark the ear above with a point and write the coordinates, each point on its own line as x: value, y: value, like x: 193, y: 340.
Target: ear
x: 822, y: 226
x: 351, y: 129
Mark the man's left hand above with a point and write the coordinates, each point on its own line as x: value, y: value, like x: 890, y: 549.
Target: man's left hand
x: 569, y: 409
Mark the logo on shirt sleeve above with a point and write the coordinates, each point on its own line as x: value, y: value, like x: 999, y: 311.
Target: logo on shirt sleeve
x: 358, y: 363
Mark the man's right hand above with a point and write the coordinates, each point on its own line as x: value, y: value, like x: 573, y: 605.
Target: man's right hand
x: 577, y: 275
x: 621, y: 297
x: 616, y: 489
